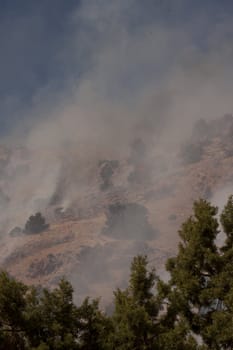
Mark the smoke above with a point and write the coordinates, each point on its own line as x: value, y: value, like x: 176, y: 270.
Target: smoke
x: 153, y: 80
x: 126, y: 74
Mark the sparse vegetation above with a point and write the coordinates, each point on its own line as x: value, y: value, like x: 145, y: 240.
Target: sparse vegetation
x: 203, y: 134
x: 192, y: 152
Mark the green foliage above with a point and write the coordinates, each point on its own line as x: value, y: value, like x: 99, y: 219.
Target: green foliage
x: 94, y: 327
x: 201, y: 286
x: 226, y: 220
x: 150, y: 314
x: 136, y: 309
x: 12, y: 307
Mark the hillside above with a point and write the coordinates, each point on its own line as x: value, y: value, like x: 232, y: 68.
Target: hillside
x: 121, y: 211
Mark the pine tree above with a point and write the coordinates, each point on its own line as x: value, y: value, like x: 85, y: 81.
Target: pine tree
x: 190, y: 292
x: 59, y: 317
x: 12, y: 308
x: 226, y: 220
x: 136, y: 310
x: 220, y: 331
x: 149, y: 314
x: 95, y: 327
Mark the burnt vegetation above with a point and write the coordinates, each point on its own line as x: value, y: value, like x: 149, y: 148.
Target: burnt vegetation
x: 107, y: 169
x: 192, y: 151
x: 128, y: 221
x: 138, y: 160
x: 203, y: 134
x: 35, y: 224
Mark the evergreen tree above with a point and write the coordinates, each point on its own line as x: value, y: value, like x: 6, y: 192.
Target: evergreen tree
x: 136, y: 310
x: 95, y: 327
x: 59, y: 322
x: 149, y: 314
x: 12, y: 308
x: 190, y: 292
x: 226, y: 220
x: 220, y: 331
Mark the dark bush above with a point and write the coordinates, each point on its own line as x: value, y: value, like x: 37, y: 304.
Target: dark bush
x: 107, y: 168
x: 35, y: 224
x: 172, y: 217
x: 129, y: 221
x: 192, y: 152
x: 135, y: 177
x: 16, y: 231
x: 201, y: 130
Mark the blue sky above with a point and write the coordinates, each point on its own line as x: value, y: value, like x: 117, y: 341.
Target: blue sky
x: 41, y: 46
x: 31, y: 36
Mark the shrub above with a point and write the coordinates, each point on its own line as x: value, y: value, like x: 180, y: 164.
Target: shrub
x: 129, y: 221
x: 192, y: 152
x: 16, y: 231
x: 107, y: 168
x: 35, y: 224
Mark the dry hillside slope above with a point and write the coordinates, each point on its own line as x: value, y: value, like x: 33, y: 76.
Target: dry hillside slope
x: 93, y: 240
